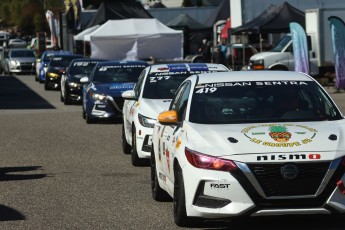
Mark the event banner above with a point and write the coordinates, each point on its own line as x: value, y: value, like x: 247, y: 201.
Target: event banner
x: 300, y: 48
x: 338, y: 39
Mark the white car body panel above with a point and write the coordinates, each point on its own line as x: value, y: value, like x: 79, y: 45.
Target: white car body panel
x: 249, y: 144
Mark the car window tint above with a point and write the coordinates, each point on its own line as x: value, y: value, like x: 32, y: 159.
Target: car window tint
x: 303, y: 101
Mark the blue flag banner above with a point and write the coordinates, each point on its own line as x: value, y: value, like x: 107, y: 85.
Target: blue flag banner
x: 300, y: 47
x: 338, y: 39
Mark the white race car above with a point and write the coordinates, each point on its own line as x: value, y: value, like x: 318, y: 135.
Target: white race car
x: 251, y: 143
x: 152, y: 94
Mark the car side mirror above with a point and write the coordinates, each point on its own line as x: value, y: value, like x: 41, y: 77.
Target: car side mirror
x: 168, y: 117
x: 84, y: 80
x: 129, y: 95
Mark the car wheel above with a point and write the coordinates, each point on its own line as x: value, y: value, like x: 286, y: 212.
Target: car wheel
x: 46, y: 86
x: 66, y: 99
x: 126, y: 148
x: 158, y: 194
x: 136, y: 161
x: 88, y: 119
x: 61, y: 97
x: 180, y: 215
x: 36, y: 78
x: 83, y: 113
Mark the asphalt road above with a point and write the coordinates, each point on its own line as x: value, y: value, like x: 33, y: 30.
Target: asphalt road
x: 57, y: 172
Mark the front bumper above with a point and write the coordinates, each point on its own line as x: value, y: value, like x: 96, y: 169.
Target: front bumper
x: 108, y: 109
x: 144, y: 141
x: 260, y: 190
x: 26, y: 67
x: 75, y: 93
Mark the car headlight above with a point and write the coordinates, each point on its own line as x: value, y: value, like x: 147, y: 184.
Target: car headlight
x: 52, y: 74
x: 100, y: 97
x: 15, y: 62
x: 146, y: 121
x: 45, y: 69
x: 257, y: 64
x: 73, y: 84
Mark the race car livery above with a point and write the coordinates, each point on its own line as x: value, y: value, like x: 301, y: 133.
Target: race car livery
x: 102, y: 92
x: 71, y: 88
x: 249, y: 143
x: 152, y: 95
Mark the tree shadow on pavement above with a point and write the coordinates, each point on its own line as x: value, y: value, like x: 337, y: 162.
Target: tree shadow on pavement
x: 20, y: 173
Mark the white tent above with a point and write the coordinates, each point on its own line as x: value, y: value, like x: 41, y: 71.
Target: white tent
x: 135, y: 39
x: 82, y: 34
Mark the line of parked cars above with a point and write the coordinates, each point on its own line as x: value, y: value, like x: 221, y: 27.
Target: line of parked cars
x: 219, y: 143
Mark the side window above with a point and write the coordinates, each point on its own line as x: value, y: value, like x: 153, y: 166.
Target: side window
x: 139, y: 84
x: 181, y: 100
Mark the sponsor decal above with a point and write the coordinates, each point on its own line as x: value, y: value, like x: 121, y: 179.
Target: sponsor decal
x: 121, y: 86
x: 219, y: 186
x: 163, y: 177
x: 280, y: 135
x: 167, y: 154
x: 289, y: 157
x: 178, y: 144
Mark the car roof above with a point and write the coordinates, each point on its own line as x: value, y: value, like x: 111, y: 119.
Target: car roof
x: 88, y: 59
x: 106, y: 63
x: 240, y: 76
x: 175, y: 67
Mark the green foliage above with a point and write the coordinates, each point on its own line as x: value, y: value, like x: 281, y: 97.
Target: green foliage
x: 278, y: 129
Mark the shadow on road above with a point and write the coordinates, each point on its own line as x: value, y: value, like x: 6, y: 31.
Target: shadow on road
x: 16, y: 95
x: 20, y: 173
x: 10, y: 214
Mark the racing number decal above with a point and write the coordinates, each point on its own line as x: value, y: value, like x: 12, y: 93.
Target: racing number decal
x: 206, y: 90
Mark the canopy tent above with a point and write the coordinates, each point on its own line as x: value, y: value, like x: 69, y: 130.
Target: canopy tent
x: 184, y: 20
x: 193, y: 31
x: 135, y: 39
x: 120, y: 9
x: 275, y: 19
x: 81, y: 35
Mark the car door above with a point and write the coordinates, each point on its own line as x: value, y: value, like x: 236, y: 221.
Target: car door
x: 130, y: 106
x: 172, y: 134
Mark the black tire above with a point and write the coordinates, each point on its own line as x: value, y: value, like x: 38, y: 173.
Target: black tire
x: 62, y: 99
x: 67, y: 100
x: 126, y: 148
x: 88, y: 119
x: 46, y: 86
x: 158, y: 194
x: 136, y: 161
x: 180, y: 215
x: 83, y: 113
x: 36, y: 79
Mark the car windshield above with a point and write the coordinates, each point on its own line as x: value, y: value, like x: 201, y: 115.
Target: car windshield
x: 252, y: 102
x: 80, y: 68
x: 61, y: 61
x: 117, y: 73
x: 22, y: 53
x: 281, y: 44
x: 163, y: 85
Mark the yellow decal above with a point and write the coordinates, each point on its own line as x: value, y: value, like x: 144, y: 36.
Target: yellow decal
x: 137, y: 104
x: 178, y: 143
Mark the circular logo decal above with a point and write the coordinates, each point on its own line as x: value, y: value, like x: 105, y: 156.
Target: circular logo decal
x: 280, y: 135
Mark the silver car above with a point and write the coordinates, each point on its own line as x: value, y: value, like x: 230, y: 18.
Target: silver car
x: 20, y: 60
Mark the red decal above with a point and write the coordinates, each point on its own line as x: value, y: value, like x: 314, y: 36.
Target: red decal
x: 167, y: 154
x: 314, y: 156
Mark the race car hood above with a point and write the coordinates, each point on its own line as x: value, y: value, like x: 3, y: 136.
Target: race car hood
x: 76, y: 78
x: 152, y: 107
x: 113, y: 89
x: 265, y: 139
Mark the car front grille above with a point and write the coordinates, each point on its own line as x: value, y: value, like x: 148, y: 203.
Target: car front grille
x: 307, y: 182
x: 118, y: 103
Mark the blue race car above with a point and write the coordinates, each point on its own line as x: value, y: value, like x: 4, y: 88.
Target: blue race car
x: 102, y: 98
x: 42, y: 63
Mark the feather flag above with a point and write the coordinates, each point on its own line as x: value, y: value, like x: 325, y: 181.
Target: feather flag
x: 338, y: 39
x: 300, y: 48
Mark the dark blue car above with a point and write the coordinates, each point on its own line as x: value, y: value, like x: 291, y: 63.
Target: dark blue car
x: 102, y: 98
x: 42, y: 63
x: 71, y: 88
